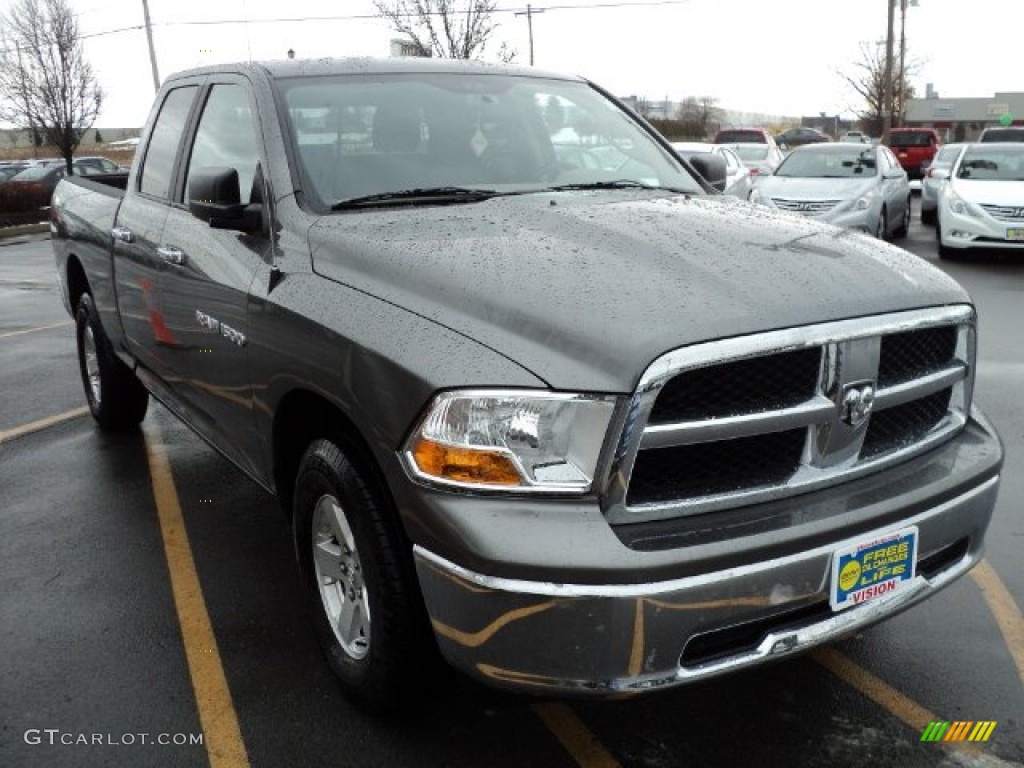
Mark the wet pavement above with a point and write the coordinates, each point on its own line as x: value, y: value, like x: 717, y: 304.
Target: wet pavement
x: 95, y: 668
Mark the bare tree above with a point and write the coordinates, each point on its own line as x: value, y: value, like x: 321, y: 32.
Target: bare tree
x: 699, y: 116
x: 448, y: 29
x: 46, y: 84
x: 868, y: 81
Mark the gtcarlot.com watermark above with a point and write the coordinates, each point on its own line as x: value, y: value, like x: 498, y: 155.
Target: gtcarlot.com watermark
x: 56, y: 737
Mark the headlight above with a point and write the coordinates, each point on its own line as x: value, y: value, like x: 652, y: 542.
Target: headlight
x: 511, y: 440
x: 960, y: 206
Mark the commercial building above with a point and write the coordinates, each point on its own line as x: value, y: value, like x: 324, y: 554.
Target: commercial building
x: 962, y: 119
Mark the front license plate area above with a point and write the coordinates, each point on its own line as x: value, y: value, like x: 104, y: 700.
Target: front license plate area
x: 870, y: 569
x: 1015, y: 233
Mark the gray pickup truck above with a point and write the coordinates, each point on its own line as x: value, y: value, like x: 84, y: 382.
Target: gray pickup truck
x: 533, y: 395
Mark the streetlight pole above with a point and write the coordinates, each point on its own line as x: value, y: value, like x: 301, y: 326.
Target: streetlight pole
x: 887, y: 83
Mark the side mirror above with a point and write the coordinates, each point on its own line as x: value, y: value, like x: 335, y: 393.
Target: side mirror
x: 214, y: 197
x: 894, y: 173
x: 939, y: 174
x: 711, y: 167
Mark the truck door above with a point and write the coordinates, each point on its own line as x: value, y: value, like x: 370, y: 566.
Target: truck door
x: 204, y: 291
x: 138, y: 267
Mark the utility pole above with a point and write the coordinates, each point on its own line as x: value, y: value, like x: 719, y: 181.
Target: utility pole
x: 528, y: 13
x: 904, y: 4
x: 887, y: 84
x: 152, y: 50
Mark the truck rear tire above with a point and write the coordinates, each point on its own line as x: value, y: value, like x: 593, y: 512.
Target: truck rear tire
x: 359, y: 579
x: 116, y: 397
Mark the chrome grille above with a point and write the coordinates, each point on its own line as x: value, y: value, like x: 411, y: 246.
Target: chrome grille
x: 913, y: 354
x: 1005, y: 212
x: 809, y: 207
x: 733, y: 422
x: 744, y: 386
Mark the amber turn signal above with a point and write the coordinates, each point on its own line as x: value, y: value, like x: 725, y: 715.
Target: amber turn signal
x: 466, y: 465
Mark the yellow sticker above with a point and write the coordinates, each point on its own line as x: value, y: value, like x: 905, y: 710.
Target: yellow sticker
x: 849, y: 575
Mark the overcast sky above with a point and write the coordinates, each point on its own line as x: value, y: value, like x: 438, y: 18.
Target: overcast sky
x: 771, y: 56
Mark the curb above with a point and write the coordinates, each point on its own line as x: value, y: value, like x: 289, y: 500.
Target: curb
x: 23, y: 229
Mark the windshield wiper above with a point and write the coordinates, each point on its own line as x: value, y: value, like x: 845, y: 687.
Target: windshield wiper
x: 619, y: 184
x: 430, y: 194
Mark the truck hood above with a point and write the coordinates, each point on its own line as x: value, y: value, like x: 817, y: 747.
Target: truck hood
x: 585, y: 289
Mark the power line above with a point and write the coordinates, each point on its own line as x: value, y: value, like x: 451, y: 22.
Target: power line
x: 612, y: 4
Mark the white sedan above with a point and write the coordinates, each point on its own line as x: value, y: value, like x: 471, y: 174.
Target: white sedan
x: 738, y: 181
x: 982, y: 203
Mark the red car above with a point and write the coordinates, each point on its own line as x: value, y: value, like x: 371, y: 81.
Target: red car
x: 914, y: 148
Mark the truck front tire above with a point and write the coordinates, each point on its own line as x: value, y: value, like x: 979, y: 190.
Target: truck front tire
x: 357, y: 573
x: 116, y: 397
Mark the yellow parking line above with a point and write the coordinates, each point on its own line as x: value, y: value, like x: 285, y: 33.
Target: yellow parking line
x: 221, y: 733
x: 35, y: 426
x: 1005, y: 610
x: 22, y: 332
x: 574, y: 735
x: 883, y: 694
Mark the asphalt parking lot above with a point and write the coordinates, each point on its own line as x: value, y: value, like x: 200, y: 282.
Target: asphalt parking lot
x: 151, y: 615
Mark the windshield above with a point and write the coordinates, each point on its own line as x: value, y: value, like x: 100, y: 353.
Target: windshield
x: 752, y: 151
x: 388, y: 133
x: 740, y: 137
x: 980, y: 163
x: 910, y: 139
x: 829, y: 163
x: 1002, y: 134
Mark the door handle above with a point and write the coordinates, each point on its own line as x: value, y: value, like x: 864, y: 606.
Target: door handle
x: 123, y: 234
x: 172, y: 255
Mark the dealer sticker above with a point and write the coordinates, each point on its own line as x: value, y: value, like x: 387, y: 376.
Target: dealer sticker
x: 874, y: 568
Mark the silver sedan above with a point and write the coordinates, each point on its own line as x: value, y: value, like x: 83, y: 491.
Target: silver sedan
x: 850, y: 185
x: 738, y: 181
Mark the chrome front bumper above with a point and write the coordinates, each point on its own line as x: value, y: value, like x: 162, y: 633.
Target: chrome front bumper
x: 627, y: 638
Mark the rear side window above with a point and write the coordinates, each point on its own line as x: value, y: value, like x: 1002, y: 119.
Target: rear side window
x: 158, y: 166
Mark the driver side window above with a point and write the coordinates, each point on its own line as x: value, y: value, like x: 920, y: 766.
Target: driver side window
x: 226, y: 137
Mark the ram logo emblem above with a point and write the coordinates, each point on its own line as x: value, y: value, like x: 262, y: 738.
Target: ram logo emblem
x: 856, y: 403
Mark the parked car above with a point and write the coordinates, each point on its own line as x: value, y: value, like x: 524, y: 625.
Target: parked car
x: 850, y: 185
x: 743, y: 136
x: 579, y: 432
x: 101, y: 164
x: 914, y: 148
x: 800, y: 136
x: 1002, y: 133
x: 935, y: 176
x: 738, y: 181
x: 36, y: 183
x: 8, y: 170
x: 981, y: 205
x: 761, y: 159
x: 855, y: 137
